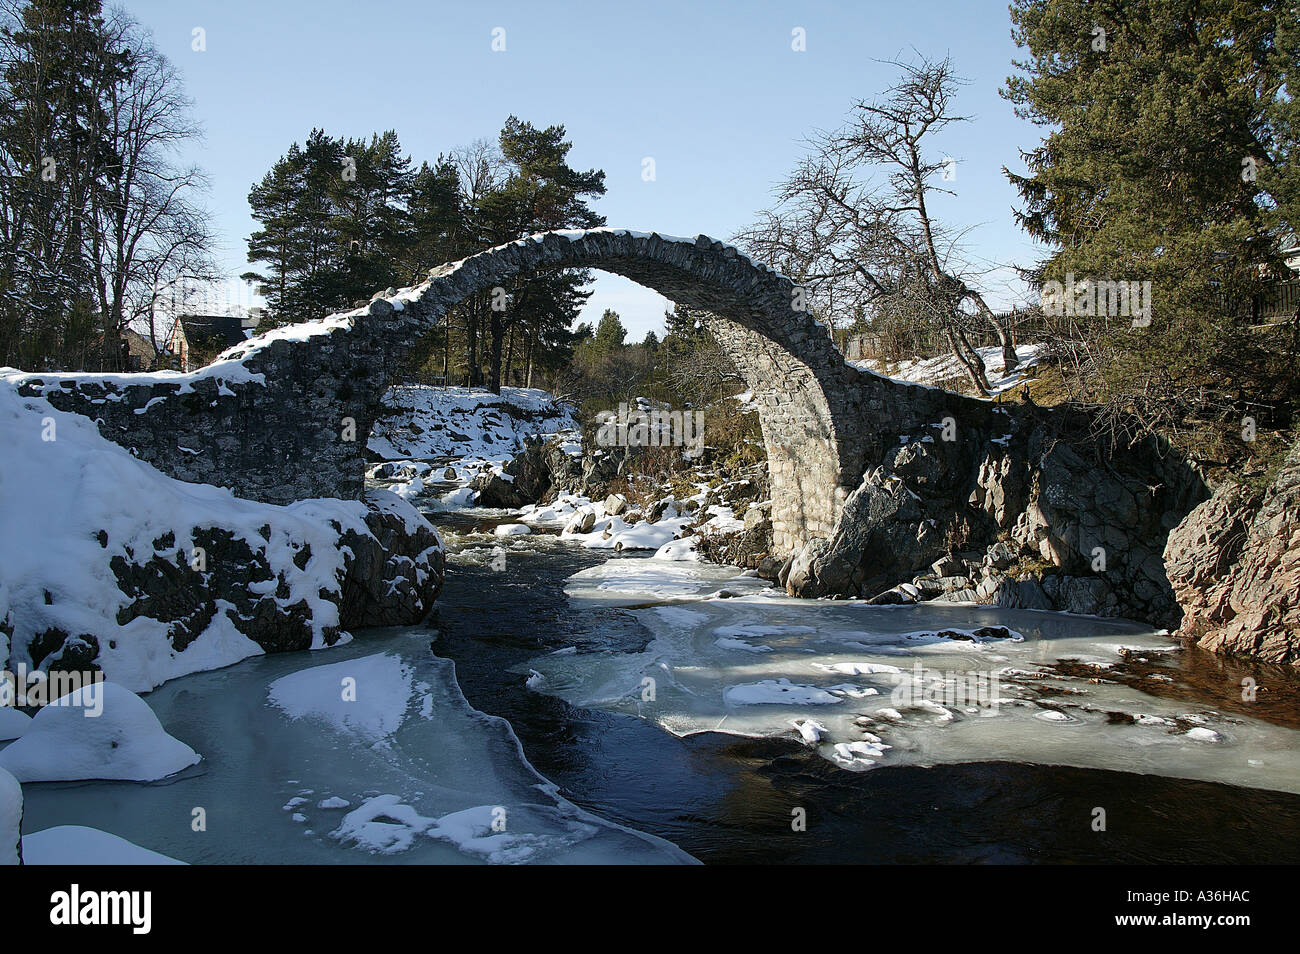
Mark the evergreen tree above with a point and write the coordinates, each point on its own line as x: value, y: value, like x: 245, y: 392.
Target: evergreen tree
x: 337, y: 223
x: 682, y: 323
x: 540, y: 192
x: 340, y: 219
x: 609, y: 332
x: 1167, y: 160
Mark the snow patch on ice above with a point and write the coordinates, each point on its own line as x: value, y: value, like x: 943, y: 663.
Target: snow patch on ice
x: 365, y: 697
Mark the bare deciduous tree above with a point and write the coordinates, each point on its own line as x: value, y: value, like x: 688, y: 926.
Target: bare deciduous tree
x: 853, y: 226
x: 149, y: 228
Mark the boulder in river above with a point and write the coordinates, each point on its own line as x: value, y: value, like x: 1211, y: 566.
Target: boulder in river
x: 495, y: 490
x: 583, y: 521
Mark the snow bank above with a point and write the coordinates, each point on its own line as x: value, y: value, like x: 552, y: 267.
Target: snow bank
x: 67, y: 742
x: 74, y: 502
x: 945, y: 370
x: 609, y: 531
x: 615, y: 533
x: 13, y: 723
x: 78, y: 845
x: 426, y: 423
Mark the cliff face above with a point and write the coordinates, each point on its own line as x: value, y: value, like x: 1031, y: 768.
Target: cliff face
x: 1014, y: 517
x: 1234, y: 564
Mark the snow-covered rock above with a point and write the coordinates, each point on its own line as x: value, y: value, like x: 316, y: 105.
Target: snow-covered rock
x: 149, y: 578
x: 13, y: 723
x: 79, y: 845
x: 512, y: 530
x: 67, y: 741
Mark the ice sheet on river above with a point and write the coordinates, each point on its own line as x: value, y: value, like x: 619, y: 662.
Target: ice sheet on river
x: 408, y: 772
x: 890, y: 685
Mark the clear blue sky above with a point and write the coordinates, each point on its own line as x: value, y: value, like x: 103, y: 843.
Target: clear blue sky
x: 711, y: 90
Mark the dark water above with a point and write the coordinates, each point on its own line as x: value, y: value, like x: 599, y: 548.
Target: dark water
x: 730, y: 800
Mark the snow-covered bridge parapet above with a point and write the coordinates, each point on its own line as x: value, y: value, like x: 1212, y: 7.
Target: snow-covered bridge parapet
x: 287, y: 415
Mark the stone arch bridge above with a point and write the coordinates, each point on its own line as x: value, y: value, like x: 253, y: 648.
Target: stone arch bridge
x: 268, y: 419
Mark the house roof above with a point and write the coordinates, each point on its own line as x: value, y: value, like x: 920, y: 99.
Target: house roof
x: 225, y: 330
x: 138, y: 345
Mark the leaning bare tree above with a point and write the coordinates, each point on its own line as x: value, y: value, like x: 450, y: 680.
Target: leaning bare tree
x: 150, y: 229
x: 852, y: 224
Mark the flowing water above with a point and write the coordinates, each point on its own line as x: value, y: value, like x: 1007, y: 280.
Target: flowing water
x: 516, y: 725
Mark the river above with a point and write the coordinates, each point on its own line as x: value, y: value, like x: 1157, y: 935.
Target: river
x: 514, y: 726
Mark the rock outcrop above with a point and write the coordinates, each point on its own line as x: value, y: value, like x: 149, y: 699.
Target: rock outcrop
x: 109, y: 564
x: 390, y: 572
x: 1017, y: 519
x: 1234, y: 563
x: 544, y: 468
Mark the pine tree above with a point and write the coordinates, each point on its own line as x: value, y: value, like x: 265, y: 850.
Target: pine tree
x: 540, y: 192
x: 682, y: 323
x: 337, y: 223
x: 1166, y: 138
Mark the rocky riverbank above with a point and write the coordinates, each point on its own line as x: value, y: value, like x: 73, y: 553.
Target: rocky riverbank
x: 1234, y: 563
x: 1033, y: 524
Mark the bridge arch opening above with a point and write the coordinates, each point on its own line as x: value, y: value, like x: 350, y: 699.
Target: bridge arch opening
x: 805, y: 401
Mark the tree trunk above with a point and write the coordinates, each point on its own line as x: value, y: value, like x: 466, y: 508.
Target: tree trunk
x: 510, y: 353
x: 1010, y: 360
x: 974, y: 368
x: 446, y: 348
x: 1006, y: 337
x: 532, y: 340
x: 497, y: 329
x: 471, y: 342
x: 976, y: 361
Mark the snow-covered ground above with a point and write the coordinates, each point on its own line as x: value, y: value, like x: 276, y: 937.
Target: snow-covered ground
x: 892, y: 685
x: 945, y: 370
x: 614, y: 531
x: 432, y: 423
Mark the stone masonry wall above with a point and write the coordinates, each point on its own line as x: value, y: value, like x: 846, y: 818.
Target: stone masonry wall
x: 286, y: 417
